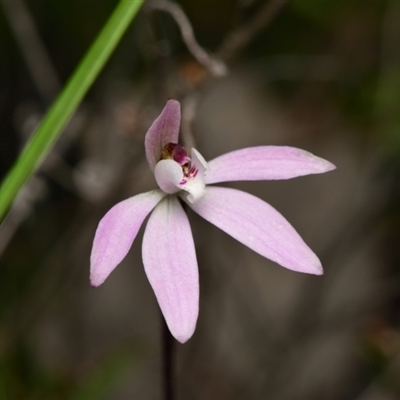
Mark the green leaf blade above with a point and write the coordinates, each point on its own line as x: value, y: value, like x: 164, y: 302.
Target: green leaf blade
x: 67, y: 102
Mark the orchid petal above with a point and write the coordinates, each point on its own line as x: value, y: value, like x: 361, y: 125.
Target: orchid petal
x: 168, y: 174
x: 170, y: 263
x: 259, y: 226
x: 265, y: 163
x: 165, y: 129
x: 117, y: 231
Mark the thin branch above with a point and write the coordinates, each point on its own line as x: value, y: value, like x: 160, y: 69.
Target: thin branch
x: 234, y: 43
x: 214, y: 66
x: 168, y: 361
x: 26, y: 34
x: 48, y: 86
x: 238, y: 39
x: 189, y: 106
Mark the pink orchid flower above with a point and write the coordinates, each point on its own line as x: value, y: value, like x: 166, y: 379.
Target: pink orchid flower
x: 168, y: 250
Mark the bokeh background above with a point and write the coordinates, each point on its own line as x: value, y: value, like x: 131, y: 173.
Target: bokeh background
x: 320, y: 75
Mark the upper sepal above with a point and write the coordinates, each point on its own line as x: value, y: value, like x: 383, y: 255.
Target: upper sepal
x: 165, y: 129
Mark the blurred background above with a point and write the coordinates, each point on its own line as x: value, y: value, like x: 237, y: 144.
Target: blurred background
x: 320, y: 75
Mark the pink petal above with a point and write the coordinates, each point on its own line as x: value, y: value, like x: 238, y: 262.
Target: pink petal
x: 265, y: 163
x: 259, y: 226
x: 165, y: 129
x: 170, y: 263
x: 116, y: 233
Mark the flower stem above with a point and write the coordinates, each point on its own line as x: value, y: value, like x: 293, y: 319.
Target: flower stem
x: 168, y: 361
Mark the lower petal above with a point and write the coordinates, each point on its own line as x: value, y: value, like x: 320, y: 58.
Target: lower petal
x: 117, y: 231
x: 170, y: 263
x: 259, y: 226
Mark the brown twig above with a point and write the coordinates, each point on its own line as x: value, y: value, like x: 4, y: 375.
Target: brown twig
x: 40, y: 66
x: 47, y: 82
x: 189, y: 105
x: 238, y: 39
x: 234, y: 43
x: 216, y: 67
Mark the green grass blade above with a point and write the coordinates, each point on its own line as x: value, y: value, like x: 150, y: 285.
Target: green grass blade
x: 67, y: 102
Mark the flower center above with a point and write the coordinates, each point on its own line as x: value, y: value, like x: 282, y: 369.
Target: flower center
x: 177, y: 171
x: 176, y: 152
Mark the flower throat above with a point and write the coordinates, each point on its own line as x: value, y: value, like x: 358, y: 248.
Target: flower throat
x: 176, y: 152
